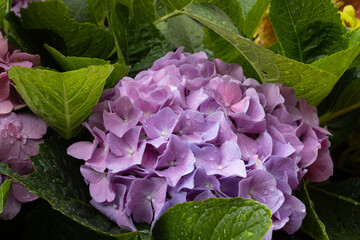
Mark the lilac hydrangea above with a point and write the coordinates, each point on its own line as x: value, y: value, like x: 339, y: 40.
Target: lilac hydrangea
x: 9, y: 98
x: 20, y: 135
x: 190, y: 128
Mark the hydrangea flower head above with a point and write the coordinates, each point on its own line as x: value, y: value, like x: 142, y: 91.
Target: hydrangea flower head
x: 190, y: 128
x: 20, y: 135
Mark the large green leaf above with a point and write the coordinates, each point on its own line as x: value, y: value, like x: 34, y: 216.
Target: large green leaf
x: 245, y: 14
x: 4, y: 191
x: 140, y: 45
x: 62, y: 100
x: 312, y: 225
x: 144, y: 11
x: 86, y: 10
x: 172, y: 5
x: 348, y: 100
x: 184, y: 31
x: 307, y: 29
x: 348, y: 154
x: 48, y: 23
x: 253, y: 11
x: 230, y: 218
x: 338, y: 206
x: 74, y: 63
x: 308, y: 81
x: 341, y: 126
x: 58, y: 180
x: 3, y: 5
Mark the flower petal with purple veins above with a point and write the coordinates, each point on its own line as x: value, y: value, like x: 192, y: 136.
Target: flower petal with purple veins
x: 322, y: 168
x: 101, y: 188
x: 284, y: 169
x: 160, y: 126
x: 145, y: 199
x: 233, y: 70
x: 177, y: 161
x: 272, y: 95
x: 225, y: 161
x: 123, y: 116
x: 126, y: 151
x: 226, y: 91
x: 225, y: 132
x: 261, y: 186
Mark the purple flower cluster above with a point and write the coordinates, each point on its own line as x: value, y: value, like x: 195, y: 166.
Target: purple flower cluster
x: 9, y: 98
x: 20, y: 135
x: 190, y: 128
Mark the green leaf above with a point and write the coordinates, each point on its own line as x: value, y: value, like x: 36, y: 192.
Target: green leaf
x: 172, y: 5
x: 140, y: 45
x: 253, y: 11
x: 338, y: 206
x: 144, y: 11
x: 117, y: 16
x: 75, y: 63
x: 342, y: 126
x: 44, y: 221
x: 86, y: 11
x: 62, y: 100
x: 58, y: 180
x: 73, y: 38
x: 308, y: 81
x: 227, y: 52
x: 307, y: 30
x: 347, y: 158
x: 4, y: 191
x: 348, y: 100
x: 184, y: 31
x: 312, y: 225
x: 3, y: 5
x: 230, y: 218
x: 337, y: 63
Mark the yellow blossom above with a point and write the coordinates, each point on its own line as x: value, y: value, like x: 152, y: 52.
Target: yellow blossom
x: 348, y: 16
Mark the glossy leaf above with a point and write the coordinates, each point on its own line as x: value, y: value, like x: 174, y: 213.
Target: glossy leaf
x: 172, y: 5
x: 139, y: 45
x: 229, y: 218
x: 184, y: 31
x: 86, y: 10
x: 75, y: 63
x: 144, y: 11
x: 3, y: 5
x: 307, y: 30
x: 62, y: 100
x: 312, y: 225
x: 4, y: 191
x: 78, y: 39
x: 338, y: 206
x: 252, y: 11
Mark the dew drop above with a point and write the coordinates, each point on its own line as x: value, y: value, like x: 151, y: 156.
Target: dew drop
x: 249, y: 234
